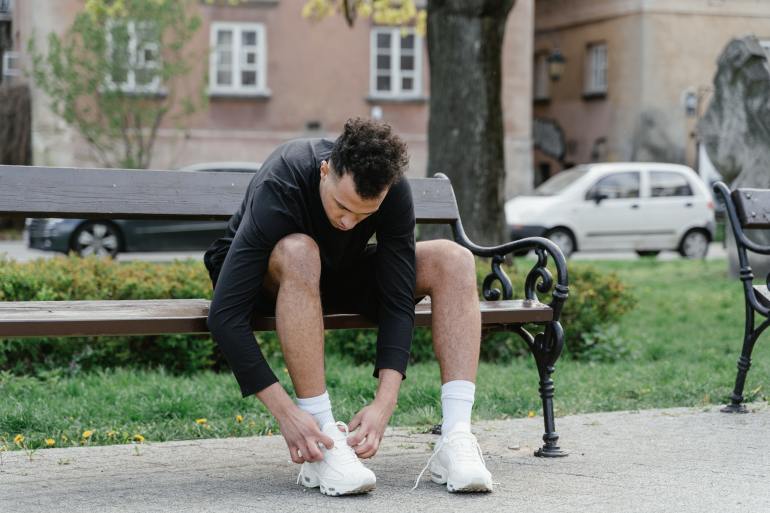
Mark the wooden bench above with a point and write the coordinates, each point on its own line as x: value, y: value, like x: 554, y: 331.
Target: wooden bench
x: 133, y: 194
x: 748, y: 209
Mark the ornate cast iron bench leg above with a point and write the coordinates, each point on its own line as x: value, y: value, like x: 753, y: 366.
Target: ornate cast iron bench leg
x: 750, y: 337
x: 546, y: 348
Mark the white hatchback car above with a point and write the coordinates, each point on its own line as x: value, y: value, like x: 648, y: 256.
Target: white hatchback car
x: 639, y: 206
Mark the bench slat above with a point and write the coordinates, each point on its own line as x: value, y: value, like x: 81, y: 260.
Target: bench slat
x: 753, y: 206
x: 32, y: 191
x: 145, y: 317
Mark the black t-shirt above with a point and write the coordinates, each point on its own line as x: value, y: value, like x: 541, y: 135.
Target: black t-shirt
x: 284, y: 198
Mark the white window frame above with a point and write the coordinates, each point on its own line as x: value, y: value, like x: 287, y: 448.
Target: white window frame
x: 396, y: 73
x: 596, y: 70
x: 540, y: 77
x: 9, y: 70
x: 238, y: 60
x: 135, y: 60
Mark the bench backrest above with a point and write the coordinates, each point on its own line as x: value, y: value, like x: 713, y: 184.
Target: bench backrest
x: 753, y: 207
x: 32, y: 191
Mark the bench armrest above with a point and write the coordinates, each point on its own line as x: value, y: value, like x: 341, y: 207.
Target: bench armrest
x: 539, y: 278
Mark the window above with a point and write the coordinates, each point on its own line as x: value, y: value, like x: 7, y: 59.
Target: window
x: 10, y: 65
x: 238, y: 60
x: 666, y: 184
x: 133, y: 49
x: 615, y: 186
x: 540, y: 74
x: 596, y: 69
x: 396, y: 63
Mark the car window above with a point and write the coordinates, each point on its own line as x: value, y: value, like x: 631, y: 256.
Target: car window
x: 560, y: 181
x: 664, y: 184
x: 616, y: 186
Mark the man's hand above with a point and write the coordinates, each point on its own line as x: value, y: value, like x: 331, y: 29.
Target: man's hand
x: 302, y: 436
x: 298, y: 427
x: 369, y: 425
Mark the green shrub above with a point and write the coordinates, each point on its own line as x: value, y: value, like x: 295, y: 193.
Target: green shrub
x: 73, y: 278
x: 596, y: 302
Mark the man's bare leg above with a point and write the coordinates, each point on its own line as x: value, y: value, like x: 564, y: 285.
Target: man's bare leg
x: 447, y: 273
x: 293, y: 276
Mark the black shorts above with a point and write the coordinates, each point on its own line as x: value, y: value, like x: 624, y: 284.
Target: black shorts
x: 353, y: 290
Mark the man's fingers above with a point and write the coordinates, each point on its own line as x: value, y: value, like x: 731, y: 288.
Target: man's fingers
x: 356, y: 437
x: 295, y: 457
x: 327, y: 441
x: 355, y: 422
x: 312, y: 453
x: 368, y: 449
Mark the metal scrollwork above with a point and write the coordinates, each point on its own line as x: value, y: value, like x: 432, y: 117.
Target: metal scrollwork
x: 497, y: 274
x: 539, y: 278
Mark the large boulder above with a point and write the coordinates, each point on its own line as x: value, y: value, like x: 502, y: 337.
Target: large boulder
x: 736, y: 130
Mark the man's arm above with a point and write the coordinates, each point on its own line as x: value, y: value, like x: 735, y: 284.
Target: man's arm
x: 396, y: 275
x: 265, y: 222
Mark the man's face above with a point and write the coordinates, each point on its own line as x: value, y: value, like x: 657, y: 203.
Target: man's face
x: 343, y: 206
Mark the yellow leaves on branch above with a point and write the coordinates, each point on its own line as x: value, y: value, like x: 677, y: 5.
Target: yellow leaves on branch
x: 382, y: 12
x: 111, y: 9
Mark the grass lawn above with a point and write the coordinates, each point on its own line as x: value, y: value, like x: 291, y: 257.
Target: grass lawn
x: 684, y: 335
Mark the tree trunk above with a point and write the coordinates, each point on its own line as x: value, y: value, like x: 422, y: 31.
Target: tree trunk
x: 465, y: 132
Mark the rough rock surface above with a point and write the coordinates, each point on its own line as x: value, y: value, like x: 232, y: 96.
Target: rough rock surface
x: 736, y: 128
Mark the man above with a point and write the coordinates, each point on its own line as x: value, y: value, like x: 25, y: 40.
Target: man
x: 298, y: 246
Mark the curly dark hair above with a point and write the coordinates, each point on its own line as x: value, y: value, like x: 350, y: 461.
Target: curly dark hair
x: 374, y: 156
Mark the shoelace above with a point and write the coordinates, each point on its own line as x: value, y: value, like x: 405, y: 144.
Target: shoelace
x: 463, y: 451
x: 435, y: 451
x: 347, y: 456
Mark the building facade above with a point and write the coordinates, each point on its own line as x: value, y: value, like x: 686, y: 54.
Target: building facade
x: 272, y: 75
x: 637, y: 75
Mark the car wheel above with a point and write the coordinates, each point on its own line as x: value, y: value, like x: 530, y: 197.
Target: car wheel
x: 647, y: 253
x: 562, y: 238
x: 96, y: 238
x: 695, y: 244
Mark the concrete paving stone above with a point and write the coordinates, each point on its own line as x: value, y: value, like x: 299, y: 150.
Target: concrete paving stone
x: 674, y: 460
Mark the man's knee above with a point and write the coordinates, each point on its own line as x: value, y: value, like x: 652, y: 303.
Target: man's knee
x: 449, y: 262
x: 295, y: 256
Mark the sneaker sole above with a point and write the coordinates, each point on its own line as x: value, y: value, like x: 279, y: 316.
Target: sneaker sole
x: 357, y: 491
x: 439, y: 476
x: 309, y: 481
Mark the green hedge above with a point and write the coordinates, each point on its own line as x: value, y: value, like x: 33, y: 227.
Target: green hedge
x: 596, y: 302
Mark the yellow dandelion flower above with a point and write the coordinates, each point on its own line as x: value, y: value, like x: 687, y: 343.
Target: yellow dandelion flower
x: 112, y: 434
x: 50, y: 442
x: 239, y: 418
x: 530, y: 414
x: 138, y: 438
x: 87, y: 434
x: 200, y: 422
x: 18, y: 439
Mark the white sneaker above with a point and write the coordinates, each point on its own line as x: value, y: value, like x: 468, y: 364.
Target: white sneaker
x: 457, y: 461
x: 340, y: 472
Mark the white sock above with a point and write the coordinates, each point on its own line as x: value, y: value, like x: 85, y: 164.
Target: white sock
x: 456, y: 404
x: 320, y: 407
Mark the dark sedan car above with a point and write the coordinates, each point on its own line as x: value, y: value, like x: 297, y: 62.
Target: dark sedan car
x: 110, y: 237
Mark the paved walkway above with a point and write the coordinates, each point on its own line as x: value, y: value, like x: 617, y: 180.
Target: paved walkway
x: 676, y: 460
